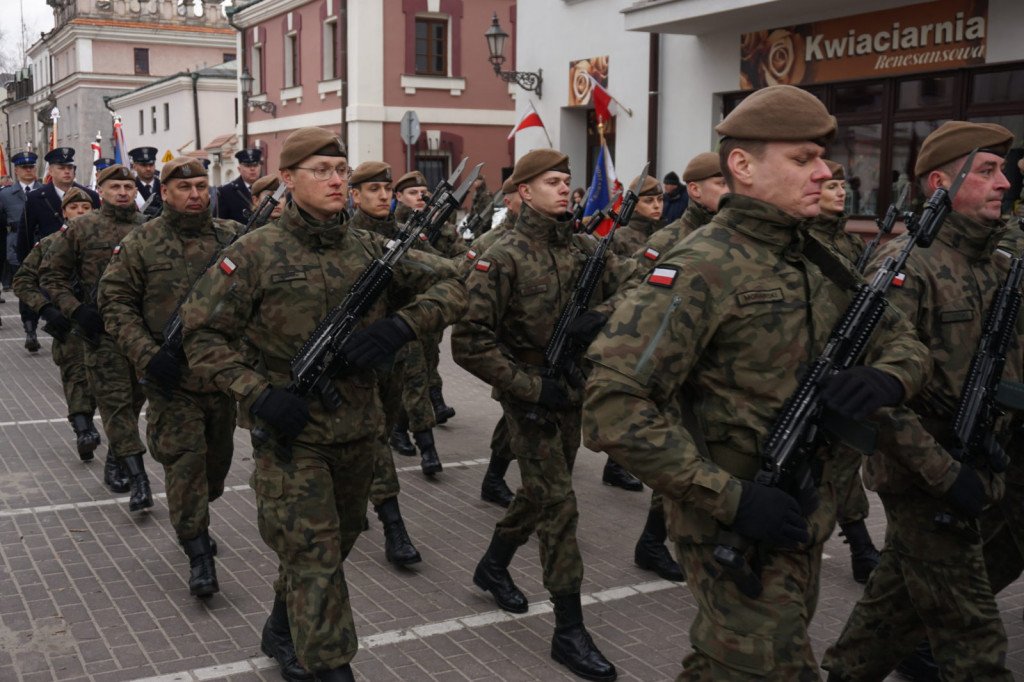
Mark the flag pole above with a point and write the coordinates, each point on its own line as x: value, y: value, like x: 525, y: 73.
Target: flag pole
x: 542, y: 126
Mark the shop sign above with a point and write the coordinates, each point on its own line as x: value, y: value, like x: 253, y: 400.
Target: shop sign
x: 582, y: 74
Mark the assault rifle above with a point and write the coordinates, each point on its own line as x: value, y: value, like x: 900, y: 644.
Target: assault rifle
x: 322, y: 356
x: 579, y: 208
x: 173, y: 327
x: 561, y: 356
x: 150, y: 209
x: 885, y: 226
x: 476, y: 220
x: 789, y: 451
x: 598, y: 216
x: 432, y: 230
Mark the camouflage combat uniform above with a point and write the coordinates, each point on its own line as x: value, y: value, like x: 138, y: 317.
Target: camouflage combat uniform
x: 274, y: 285
x: 81, y: 253
x: 516, y: 296
x: 932, y: 580
x: 190, y: 433
x: 727, y: 317
x: 631, y: 237
x: 664, y: 239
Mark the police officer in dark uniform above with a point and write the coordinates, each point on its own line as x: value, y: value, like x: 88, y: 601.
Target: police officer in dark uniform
x: 146, y: 180
x: 103, y: 162
x: 235, y: 198
x: 12, y: 207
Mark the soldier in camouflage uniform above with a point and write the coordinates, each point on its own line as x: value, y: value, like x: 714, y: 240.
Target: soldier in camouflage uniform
x: 517, y: 292
x: 73, y: 264
x: 312, y: 476
x: 932, y: 578
x: 67, y: 348
x: 263, y: 188
x: 727, y: 317
x: 645, y: 221
x: 190, y: 424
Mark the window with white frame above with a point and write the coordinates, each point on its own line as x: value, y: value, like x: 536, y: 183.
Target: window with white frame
x: 330, y: 49
x: 291, y: 60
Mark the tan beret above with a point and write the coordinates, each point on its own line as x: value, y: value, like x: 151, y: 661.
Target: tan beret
x: 954, y: 139
x: 370, y: 171
x: 836, y: 169
x: 306, y: 142
x: 183, y: 168
x: 701, y: 167
x: 651, y: 188
x: 267, y: 182
x: 413, y: 179
x: 536, y: 162
x: 115, y: 172
x: 508, y: 187
x: 779, y: 113
x: 75, y: 194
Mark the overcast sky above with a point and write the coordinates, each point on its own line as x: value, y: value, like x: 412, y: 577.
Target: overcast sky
x: 38, y: 18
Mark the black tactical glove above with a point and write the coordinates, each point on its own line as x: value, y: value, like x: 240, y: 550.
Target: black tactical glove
x: 285, y: 411
x: 376, y: 343
x: 585, y: 328
x: 88, y: 318
x: 553, y: 395
x: 770, y: 515
x: 165, y: 369
x: 967, y: 492
x: 59, y: 326
x: 856, y: 393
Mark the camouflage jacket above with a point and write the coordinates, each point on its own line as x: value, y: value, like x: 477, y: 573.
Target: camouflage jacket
x: 150, y: 274
x: 82, y: 253
x: 516, y: 295
x: 484, y: 242
x: 631, y: 237
x: 274, y: 285
x: 664, y: 239
x: 945, y: 291
x: 26, y: 280
x: 725, y: 322
x: 449, y: 243
x: 830, y: 231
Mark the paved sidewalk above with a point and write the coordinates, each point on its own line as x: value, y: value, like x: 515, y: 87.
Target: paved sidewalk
x: 90, y: 592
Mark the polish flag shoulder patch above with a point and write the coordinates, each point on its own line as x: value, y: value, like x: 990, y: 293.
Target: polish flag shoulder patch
x: 898, y: 279
x: 117, y: 249
x: 652, y: 254
x: 423, y: 236
x: 483, y: 266
x: 663, y: 277
x: 228, y: 266
x: 471, y: 255
x: 64, y: 227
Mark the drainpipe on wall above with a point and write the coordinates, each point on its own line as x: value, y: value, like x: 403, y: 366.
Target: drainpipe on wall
x: 195, y: 107
x: 242, y: 58
x: 653, y: 98
x: 343, y: 37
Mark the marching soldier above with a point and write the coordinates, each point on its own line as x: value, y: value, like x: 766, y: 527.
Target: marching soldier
x: 79, y: 256
x: 146, y: 181
x: 274, y: 285
x: 235, y: 197
x: 189, y: 423
x: 727, y: 317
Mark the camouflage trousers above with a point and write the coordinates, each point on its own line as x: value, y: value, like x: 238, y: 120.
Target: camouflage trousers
x: 415, y: 387
x: 546, y: 502
x: 500, y: 445
x: 118, y: 396
x: 69, y: 356
x: 389, y: 385
x: 432, y: 355
x: 191, y: 435
x: 931, y: 582
x: 310, y: 512
x: 851, y: 500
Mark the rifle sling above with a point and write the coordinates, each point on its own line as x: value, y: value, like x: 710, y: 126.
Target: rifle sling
x: 831, y: 265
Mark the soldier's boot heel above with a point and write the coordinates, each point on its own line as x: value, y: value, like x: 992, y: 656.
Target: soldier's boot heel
x: 31, y: 342
x: 202, y: 580
x: 86, y: 437
x: 615, y: 475
x: 399, y: 439
x: 430, y: 463
x: 398, y: 548
x: 114, y: 476
x: 494, y: 489
x: 342, y: 674
x: 442, y: 411
x: 277, y: 643
x: 572, y: 646
x: 491, y: 575
x: 650, y: 552
x: 863, y: 555
x: 142, y: 496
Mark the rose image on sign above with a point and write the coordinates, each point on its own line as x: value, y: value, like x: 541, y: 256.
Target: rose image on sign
x: 772, y: 58
x: 580, y: 85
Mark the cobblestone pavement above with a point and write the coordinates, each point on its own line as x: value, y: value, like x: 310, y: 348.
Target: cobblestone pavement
x: 90, y: 592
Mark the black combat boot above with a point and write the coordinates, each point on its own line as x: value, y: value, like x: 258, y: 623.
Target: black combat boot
x: 429, y: 461
x: 342, y: 674
x: 31, y: 342
x: 277, y: 644
x: 442, y: 412
x: 615, y: 475
x: 494, y: 489
x: 398, y: 548
x: 920, y: 666
x: 863, y: 555
x: 491, y: 575
x: 400, y: 439
x: 572, y: 646
x: 142, y: 496
x: 88, y: 439
x: 651, y: 554
x: 114, y: 476
x: 202, y: 582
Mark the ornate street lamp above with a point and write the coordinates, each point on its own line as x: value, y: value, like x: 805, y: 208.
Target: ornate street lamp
x: 496, y: 45
x: 264, y: 106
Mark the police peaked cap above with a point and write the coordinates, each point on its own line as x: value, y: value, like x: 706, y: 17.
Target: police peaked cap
x: 370, y: 171
x: 954, y: 139
x: 780, y: 113
x: 64, y: 156
x: 143, y: 155
x: 103, y: 162
x: 24, y: 159
x: 250, y: 157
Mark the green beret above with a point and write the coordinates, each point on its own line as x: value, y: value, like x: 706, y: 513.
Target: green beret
x: 413, y: 179
x: 508, y: 187
x: 954, y: 139
x: 783, y: 113
x: 267, y: 182
x: 651, y: 188
x: 536, y: 162
x: 370, y: 171
x: 115, y: 172
x: 836, y: 168
x: 307, y: 142
x: 701, y: 167
x: 76, y: 194
x: 183, y: 167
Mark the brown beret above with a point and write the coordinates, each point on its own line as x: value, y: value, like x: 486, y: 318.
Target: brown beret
x: 954, y: 139
x: 184, y: 168
x: 413, y: 179
x: 370, y: 171
x: 267, y: 182
x: 779, y: 113
x: 508, y: 187
x: 75, y: 194
x: 836, y: 168
x: 306, y: 142
x: 701, y: 167
x: 115, y: 172
x: 536, y: 162
x: 651, y: 188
